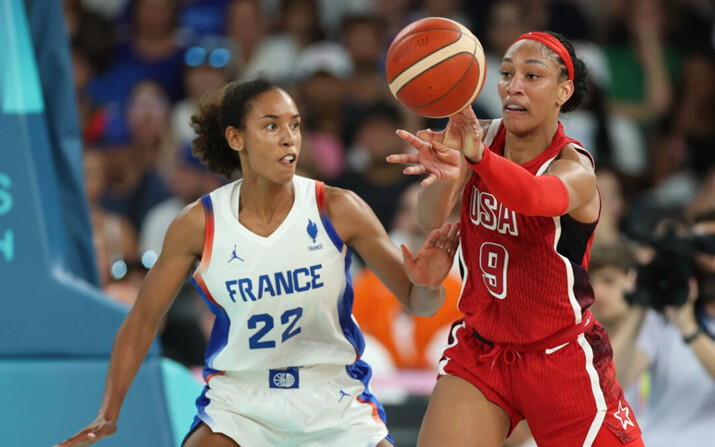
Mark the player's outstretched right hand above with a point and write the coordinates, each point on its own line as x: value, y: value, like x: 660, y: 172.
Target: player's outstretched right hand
x: 100, y: 428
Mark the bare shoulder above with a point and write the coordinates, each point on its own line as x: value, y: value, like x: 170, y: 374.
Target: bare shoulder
x: 348, y: 212
x: 570, y: 153
x: 340, y: 201
x: 186, y: 232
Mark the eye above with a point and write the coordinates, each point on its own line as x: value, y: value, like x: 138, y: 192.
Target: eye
x: 532, y: 76
x: 271, y: 126
x: 295, y: 125
x: 504, y: 73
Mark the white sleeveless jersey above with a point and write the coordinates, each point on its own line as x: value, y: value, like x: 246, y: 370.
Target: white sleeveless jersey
x: 280, y: 301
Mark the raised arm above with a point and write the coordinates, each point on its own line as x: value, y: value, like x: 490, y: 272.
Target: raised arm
x: 567, y: 187
x: 445, y: 168
x: 415, y: 281
x: 183, y: 245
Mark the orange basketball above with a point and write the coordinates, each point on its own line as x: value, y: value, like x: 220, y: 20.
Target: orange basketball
x: 435, y: 67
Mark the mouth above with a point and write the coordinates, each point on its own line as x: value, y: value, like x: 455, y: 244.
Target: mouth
x: 288, y: 160
x: 514, y: 108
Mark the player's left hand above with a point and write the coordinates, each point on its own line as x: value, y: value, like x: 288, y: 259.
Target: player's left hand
x: 434, y: 259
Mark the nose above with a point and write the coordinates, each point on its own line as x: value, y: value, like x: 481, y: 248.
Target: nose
x: 516, y: 85
x: 289, y: 136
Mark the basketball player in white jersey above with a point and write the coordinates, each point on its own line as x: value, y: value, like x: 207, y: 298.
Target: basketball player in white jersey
x: 283, y: 363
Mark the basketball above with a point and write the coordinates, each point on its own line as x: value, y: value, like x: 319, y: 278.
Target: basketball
x: 435, y: 67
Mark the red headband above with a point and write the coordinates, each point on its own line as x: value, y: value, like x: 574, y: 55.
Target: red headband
x: 553, y: 43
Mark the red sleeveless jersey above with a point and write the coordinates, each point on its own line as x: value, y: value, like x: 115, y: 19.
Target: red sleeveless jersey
x: 524, y: 277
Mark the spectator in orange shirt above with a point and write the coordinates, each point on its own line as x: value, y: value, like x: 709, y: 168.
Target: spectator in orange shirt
x: 413, y: 342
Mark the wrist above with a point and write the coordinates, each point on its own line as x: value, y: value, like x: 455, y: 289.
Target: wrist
x: 689, y: 337
x: 475, y: 157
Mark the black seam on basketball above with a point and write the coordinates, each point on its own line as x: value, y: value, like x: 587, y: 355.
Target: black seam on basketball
x: 431, y: 67
x: 431, y: 29
x: 455, y: 84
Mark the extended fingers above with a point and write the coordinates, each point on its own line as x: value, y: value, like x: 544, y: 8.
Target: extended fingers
x: 428, y: 180
x: 427, y: 134
x: 453, y: 238
x: 443, y: 235
x: 414, y: 170
x: 413, y: 140
x: 402, y: 158
x: 407, y: 257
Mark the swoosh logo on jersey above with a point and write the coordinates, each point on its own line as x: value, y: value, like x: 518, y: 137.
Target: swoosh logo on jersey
x: 552, y: 350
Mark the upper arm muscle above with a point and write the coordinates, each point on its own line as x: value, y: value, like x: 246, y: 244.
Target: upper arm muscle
x: 358, y: 226
x: 580, y: 180
x: 183, y: 245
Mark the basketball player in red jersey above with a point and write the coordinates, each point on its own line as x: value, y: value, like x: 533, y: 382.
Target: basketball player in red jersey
x: 528, y: 346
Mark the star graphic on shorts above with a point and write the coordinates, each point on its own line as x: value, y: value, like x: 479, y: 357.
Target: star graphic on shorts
x: 623, y: 415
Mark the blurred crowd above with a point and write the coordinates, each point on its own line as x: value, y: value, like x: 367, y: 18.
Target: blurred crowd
x: 142, y: 66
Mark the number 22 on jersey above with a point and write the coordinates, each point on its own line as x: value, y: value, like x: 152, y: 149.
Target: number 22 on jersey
x: 264, y: 323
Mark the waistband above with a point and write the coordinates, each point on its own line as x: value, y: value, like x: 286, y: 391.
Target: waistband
x: 289, y: 377
x: 511, y: 351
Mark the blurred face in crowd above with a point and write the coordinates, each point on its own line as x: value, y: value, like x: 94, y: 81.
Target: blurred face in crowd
x: 300, y: 17
x: 610, y: 285
x: 204, y: 79
x: 244, y: 21
x: 324, y: 90
x: 155, y: 17
x: 148, y: 113
x: 364, y: 42
x: 505, y: 24
x: 377, y: 136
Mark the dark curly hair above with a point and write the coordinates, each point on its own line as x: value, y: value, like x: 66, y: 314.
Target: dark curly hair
x: 227, y: 107
x: 580, y: 76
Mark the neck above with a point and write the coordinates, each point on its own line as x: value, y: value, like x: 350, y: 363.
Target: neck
x: 264, y: 200
x: 524, y: 148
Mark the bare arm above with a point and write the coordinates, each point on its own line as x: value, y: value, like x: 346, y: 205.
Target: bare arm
x: 684, y: 319
x: 651, y: 50
x: 183, y: 244
x: 446, y: 170
x: 416, y: 282
x: 579, y: 177
x: 629, y: 361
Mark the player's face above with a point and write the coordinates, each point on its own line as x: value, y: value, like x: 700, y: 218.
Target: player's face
x: 271, y: 139
x: 531, y: 87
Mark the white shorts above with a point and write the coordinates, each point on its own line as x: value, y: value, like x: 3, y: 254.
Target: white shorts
x: 310, y: 406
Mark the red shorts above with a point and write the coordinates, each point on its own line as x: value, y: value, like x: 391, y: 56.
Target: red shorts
x: 566, y: 391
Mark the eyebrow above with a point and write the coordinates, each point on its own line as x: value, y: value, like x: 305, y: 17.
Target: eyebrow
x: 275, y: 117
x: 528, y: 61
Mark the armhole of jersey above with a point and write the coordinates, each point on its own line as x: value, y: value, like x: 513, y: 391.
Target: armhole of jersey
x: 208, y: 235
x: 324, y: 218
x: 492, y: 131
x: 583, y: 151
